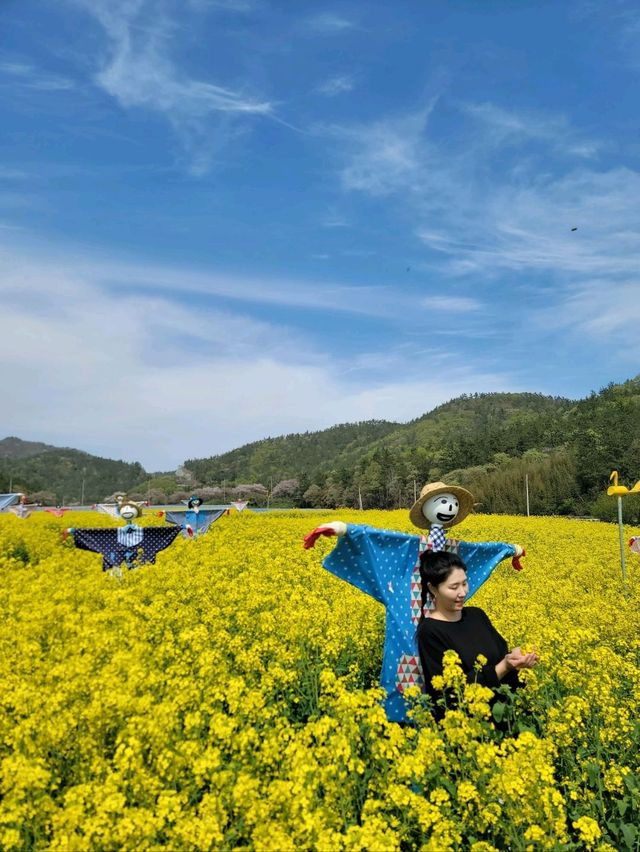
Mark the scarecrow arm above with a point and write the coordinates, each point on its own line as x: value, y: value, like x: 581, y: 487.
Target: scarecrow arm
x: 338, y: 528
x: 373, y: 560
x: 482, y: 557
x: 519, y: 553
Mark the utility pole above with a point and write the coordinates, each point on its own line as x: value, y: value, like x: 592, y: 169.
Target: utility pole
x: 526, y: 485
x: 360, y: 498
x: 84, y: 470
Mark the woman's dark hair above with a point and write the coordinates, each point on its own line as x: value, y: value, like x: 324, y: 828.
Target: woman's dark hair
x: 435, y: 567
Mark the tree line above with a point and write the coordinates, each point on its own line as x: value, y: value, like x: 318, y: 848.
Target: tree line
x: 500, y: 446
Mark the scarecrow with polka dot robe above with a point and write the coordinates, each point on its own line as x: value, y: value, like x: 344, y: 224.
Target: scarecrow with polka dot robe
x: 131, y: 545
x: 386, y: 565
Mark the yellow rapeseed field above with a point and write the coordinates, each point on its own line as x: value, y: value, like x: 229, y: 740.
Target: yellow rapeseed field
x: 226, y: 698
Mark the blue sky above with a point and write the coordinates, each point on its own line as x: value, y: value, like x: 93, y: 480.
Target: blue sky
x: 222, y: 220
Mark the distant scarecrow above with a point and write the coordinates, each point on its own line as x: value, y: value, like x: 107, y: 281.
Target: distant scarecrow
x: 131, y: 545
x: 194, y: 516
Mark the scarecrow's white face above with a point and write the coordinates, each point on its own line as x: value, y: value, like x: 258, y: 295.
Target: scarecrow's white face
x: 128, y: 513
x: 440, y: 509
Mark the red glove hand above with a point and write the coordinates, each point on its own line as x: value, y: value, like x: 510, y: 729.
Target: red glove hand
x: 516, y: 561
x: 189, y: 530
x: 310, y: 538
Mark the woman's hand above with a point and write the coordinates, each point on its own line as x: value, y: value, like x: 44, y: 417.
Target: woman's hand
x: 515, y: 659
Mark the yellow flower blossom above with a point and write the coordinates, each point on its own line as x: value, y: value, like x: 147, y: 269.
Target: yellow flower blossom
x: 227, y: 697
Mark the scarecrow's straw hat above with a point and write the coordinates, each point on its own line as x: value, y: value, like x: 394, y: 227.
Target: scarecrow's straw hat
x: 464, y: 498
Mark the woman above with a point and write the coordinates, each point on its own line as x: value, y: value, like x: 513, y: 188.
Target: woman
x: 466, y: 630
x: 385, y: 564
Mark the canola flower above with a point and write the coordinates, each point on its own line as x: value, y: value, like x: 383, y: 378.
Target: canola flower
x: 227, y: 698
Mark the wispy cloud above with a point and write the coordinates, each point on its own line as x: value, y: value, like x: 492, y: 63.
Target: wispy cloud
x: 12, y: 174
x: 26, y: 76
x: 334, y: 219
x: 307, y: 294
x: 139, y: 73
x: 510, y: 127
x: 609, y: 314
x: 452, y: 304
x: 236, y: 6
x: 128, y: 374
x: 386, y: 154
x: 337, y: 85
x: 540, y: 227
x: 328, y: 23
x: 475, y: 218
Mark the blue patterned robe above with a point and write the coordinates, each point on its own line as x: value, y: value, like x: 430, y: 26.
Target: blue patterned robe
x: 385, y: 565
x: 198, y: 521
x: 131, y: 545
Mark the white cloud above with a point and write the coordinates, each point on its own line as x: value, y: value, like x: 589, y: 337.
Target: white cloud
x: 137, y: 375
x: 328, y: 23
x: 510, y: 127
x: 537, y: 230
x: 139, y: 73
x: 608, y: 314
x: 12, y: 174
x: 26, y: 76
x: 387, y: 155
x: 236, y: 6
x: 452, y: 304
x: 313, y: 295
x: 336, y: 85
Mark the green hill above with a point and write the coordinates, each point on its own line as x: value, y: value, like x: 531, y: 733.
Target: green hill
x: 16, y: 448
x: 58, y: 474
x: 290, y: 455
x: 383, y: 462
x: 495, y: 444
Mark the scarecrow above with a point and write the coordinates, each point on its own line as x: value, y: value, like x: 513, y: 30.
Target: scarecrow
x: 8, y: 500
x: 17, y: 504
x: 131, y: 545
x: 112, y: 509
x: 197, y: 518
x: 385, y: 564
x: 58, y: 511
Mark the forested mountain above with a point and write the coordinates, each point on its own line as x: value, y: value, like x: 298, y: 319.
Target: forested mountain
x: 15, y: 448
x: 380, y: 461
x: 57, y: 475
x: 495, y: 444
x: 290, y: 455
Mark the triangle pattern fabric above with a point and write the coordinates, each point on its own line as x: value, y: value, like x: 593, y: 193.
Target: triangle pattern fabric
x: 409, y: 673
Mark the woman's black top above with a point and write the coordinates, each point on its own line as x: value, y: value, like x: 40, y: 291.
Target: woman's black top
x: 474, y: 634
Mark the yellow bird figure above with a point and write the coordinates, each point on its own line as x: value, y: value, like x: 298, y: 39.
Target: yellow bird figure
x: 616, y: 490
